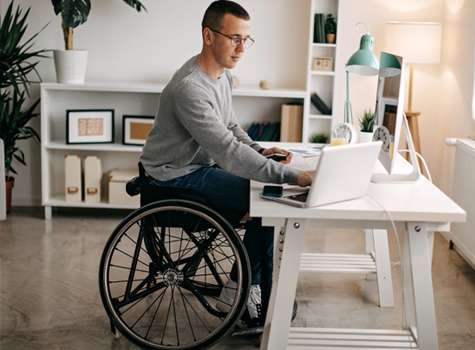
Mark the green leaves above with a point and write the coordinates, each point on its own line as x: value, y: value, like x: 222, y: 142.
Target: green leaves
x: 366, y: 120
x: 136, y: 4
x: 13, y: 120
x: 330, y: 24
x: 15, y: 55
x: 15, y: 65
x: 73, y: 12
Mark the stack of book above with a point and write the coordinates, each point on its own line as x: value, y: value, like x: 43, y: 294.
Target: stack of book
x: 319, y: 104
x: 264, y: 131
x: 319, y: 28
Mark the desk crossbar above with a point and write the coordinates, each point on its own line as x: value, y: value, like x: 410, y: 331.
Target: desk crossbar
x: 350, y: 339
x: 338, y: 263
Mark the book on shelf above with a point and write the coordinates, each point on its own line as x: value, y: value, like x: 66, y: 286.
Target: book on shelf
x: 265, y: 131
x: 319, y: 104
x: 319, y: 28
x: 291, y: 123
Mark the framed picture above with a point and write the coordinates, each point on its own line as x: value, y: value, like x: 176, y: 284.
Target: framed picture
x: 135, y: 129
x: 89, y: 126
x: 322, y: 64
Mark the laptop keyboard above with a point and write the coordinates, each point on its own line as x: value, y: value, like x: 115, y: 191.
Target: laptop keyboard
x: 302, y: 197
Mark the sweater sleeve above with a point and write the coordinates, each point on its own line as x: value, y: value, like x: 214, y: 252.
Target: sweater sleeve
x: 231, y: 152
x: 241, y: 135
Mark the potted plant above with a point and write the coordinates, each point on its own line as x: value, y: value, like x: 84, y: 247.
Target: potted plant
x: 330, y: 28
x: 366, y: 121
x: 15, y: 71
x: 70, y: 64
x: 319, y: 138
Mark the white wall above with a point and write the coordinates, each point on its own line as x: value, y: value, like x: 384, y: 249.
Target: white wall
x: 442, y: 93
x: 126, y: 46
x: 456, y: 81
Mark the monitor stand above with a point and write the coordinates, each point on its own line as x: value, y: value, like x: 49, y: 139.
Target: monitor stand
x: 402, y: 178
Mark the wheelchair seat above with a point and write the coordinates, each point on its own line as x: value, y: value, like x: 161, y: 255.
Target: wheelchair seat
x: 152, y: 193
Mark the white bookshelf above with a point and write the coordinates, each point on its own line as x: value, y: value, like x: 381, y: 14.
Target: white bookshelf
x: 250, y: 105
x: 321, y: 82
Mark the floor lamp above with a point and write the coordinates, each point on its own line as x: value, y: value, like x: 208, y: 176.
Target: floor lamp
x: 419, y: 44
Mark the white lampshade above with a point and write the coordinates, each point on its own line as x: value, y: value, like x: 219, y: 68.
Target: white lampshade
x: 417, y: 42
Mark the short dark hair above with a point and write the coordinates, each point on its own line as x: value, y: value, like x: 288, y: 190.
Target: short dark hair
x: 214, y: 15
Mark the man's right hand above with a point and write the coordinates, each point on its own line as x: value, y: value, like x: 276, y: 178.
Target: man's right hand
x: 305, y: 178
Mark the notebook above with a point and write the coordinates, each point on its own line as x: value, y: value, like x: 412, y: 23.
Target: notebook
x: 342, y: 173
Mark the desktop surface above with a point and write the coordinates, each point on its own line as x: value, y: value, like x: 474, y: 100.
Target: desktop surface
x: 419, y: 201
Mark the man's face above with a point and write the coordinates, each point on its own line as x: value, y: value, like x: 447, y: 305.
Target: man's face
x: 225, y: 54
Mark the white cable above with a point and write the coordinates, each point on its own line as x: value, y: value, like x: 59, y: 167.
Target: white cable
x: 400, y: 260
x: 426, y: 168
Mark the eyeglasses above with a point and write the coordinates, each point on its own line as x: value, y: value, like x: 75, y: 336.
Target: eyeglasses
x: 237, y: 39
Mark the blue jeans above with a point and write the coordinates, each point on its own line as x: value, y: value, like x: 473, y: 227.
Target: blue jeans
x: 231, y: 192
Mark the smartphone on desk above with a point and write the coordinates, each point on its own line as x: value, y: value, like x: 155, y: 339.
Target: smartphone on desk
x: 272, y: 191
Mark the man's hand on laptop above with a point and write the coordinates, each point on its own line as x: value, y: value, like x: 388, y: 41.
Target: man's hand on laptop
x: 277, y: 150
x: 305, y: 178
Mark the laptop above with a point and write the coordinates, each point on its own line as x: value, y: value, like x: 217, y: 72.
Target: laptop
x: 342, y: 173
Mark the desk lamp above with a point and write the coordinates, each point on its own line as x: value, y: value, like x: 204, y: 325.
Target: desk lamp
x: 362, y: 62
x: 419, y: 44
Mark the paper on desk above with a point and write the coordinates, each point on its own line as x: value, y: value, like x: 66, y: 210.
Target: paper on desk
x: 306, y: 151
x: 303, y: 163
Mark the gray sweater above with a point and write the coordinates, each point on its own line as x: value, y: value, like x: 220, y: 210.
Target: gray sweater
x: 195, y: 127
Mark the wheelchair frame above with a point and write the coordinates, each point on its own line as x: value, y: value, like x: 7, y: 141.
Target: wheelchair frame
x: 163, y: 269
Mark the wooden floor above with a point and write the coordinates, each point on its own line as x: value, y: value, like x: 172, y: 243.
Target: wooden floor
x: 50, y: 298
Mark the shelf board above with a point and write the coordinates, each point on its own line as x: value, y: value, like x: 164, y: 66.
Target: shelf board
x: 113, y: 147
x: 58, y: 201
x: 320, y: 116
x: 323, y: 45
x: 107, y: 87
x: 278, y: 93
x: 326, y: 73
x: 158, y: 88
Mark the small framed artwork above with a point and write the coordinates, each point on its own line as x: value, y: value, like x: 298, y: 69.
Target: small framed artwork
x: 135, y: 129
x: 322, y: 64
x: 89, y: 126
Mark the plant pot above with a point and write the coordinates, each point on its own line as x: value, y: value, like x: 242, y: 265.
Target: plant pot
x: 70, y: 66
x: 366, y: 137
x: 330, y: 38
x: 9, y: 183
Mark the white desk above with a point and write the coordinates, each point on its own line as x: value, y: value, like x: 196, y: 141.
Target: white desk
x: 419, y: 209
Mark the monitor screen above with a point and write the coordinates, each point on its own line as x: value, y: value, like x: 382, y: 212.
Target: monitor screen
x: 389, y: 108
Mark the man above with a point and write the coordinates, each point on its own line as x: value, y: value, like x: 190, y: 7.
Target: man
x: 197, y: 143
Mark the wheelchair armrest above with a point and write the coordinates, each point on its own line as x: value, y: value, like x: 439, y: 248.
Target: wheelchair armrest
x: 132, y: 187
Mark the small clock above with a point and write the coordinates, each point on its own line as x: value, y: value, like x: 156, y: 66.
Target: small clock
x: 349, y: 129
x: 382, y: 133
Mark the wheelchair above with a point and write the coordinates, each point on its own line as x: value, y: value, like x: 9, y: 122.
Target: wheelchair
x: 164, y: 266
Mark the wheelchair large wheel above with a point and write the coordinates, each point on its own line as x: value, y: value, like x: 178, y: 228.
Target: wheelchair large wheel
x: 162, y: 271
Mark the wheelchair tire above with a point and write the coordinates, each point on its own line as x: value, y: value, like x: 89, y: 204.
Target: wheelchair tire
x: 162, y: 271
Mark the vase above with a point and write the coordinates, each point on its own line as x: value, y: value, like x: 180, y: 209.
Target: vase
x: 330, y: 38
x: 70, y: 66
x: 366, y: 137
x: 9, y: 183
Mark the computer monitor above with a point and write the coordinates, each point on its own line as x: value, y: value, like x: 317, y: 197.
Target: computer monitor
x: 390, y: 117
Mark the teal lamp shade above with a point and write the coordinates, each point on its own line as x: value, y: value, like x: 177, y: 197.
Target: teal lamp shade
x: 390, y: 65
x: 364, y: 61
